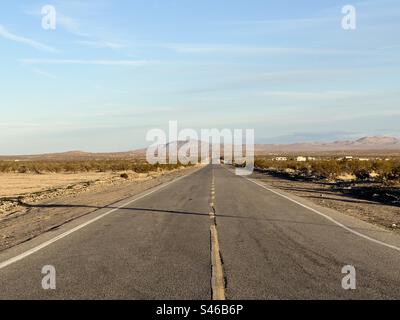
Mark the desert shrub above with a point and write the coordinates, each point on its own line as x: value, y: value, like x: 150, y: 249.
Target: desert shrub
x: 383, y: 169
x: 305, y: 169
x: 361, y: 169
x: 395, y: 173
x: 361, y: 173
x: 22, y: 169
x: 326, y: 169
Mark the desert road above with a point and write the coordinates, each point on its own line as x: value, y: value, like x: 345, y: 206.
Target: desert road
x: 208, y: 234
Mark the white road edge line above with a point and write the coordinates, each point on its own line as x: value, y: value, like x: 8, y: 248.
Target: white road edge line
x: 81, y: 226
x: 325, y: 216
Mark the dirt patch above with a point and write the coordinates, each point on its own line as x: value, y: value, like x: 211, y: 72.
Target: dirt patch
x: 17, y: 184
x: 29, y: 215
x: 370, y: 202
x: 19, y: 189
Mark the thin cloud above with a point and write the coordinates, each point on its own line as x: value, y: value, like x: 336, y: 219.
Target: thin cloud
x: 43, y: 73
x: 128, y: 63
x: 322, y: 95
x: 69, y: 24
x: 4, y: 33
x: 73, y: 26
x: 283, y: 24
x: 124, y: 113
x: 252, y: 50
x: 367, y: 96
x: 101, y: 44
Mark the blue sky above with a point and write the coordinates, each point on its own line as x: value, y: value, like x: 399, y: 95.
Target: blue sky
x: 112, y: 70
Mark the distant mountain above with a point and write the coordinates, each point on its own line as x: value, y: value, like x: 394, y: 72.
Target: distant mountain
x: 78, y: 156
x: 372, y: 144
x: 366, y: 145
x: 378, y: 141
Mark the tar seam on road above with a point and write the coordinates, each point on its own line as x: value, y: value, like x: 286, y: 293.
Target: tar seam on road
x: 81, y: 226
x: 359, y: 234
x: 217, y: 272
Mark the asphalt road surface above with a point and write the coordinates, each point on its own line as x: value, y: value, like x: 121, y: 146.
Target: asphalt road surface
x: 159, y: 247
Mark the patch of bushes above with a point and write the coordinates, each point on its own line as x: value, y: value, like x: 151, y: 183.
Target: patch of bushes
x: 386, y: 170
x: 82, y: 166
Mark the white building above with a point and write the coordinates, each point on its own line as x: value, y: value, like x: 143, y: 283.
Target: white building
x: 346, y: 158
x: 301, y: 159
x: 280, y: 159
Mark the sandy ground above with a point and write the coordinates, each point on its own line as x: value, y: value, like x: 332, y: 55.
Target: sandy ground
x: 323, y: 194
x: 15, y: 184
x: 30, y: 188
x: 25, y: 217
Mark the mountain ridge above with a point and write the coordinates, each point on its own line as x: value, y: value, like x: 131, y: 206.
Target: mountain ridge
x: 367, y: 143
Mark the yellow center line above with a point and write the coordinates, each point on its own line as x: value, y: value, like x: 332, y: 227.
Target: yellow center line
x: 217, y: 276
x: 217, y: 281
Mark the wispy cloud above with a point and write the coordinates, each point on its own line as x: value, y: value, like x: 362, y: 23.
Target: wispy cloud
x: 4, y: 33
x: 334, y: 95
x: 249, y: 50
x: 101, y: 44
x: 283, y: 24
x: 70, y: 25
x: 74, y: 26
x: 67, y: 23
x: 43, y: 73
x: 317, y: 95
x: 132, y: 63
x: 117, y: 112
